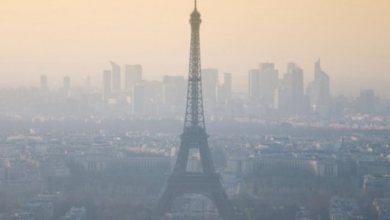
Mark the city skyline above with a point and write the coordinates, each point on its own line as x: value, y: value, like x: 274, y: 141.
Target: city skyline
x: 56, y: 82
x: 129, y: 140
x: 349, y: 36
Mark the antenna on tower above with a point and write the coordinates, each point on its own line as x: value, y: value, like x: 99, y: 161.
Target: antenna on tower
x: 196, y: 2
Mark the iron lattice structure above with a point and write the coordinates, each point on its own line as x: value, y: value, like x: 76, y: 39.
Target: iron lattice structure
x: 194, y: 136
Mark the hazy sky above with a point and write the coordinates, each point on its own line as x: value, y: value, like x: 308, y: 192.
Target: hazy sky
x: 79, y: 37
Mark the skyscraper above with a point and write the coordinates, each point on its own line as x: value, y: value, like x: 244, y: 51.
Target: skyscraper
x: 66, y: 82
x: 297, y: 96
x: 319, y: 90
x: 133, y: 75
x: 323, y: 79
x: 254, y: 85
x: 106, y: 85
x: 116, y: 76
x: 290, y: 94
x: 268, y: 82
x: 44, y: 82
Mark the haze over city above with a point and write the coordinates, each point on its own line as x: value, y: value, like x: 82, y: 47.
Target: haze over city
x: 104, y: 107
x: 76, y: 38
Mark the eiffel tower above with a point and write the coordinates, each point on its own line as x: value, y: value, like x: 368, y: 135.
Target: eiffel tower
x: 206, y: 183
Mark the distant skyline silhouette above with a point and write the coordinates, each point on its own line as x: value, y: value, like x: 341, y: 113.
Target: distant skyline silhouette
x: 79, y: 38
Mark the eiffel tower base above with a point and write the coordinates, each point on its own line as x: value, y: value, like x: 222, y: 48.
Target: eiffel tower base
x: 194, y: 183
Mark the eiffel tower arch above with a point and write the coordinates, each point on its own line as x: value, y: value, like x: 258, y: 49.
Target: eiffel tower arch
x: 194, y: 136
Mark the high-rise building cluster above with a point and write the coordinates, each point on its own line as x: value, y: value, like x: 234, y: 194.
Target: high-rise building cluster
x: 267, y: 92
x: 166, y: 97
x: 270, y: 93
x: 130, y: 90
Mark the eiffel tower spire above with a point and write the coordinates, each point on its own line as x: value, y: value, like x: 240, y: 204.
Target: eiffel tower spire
x: 194, y: 116
x: 194, y: 136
